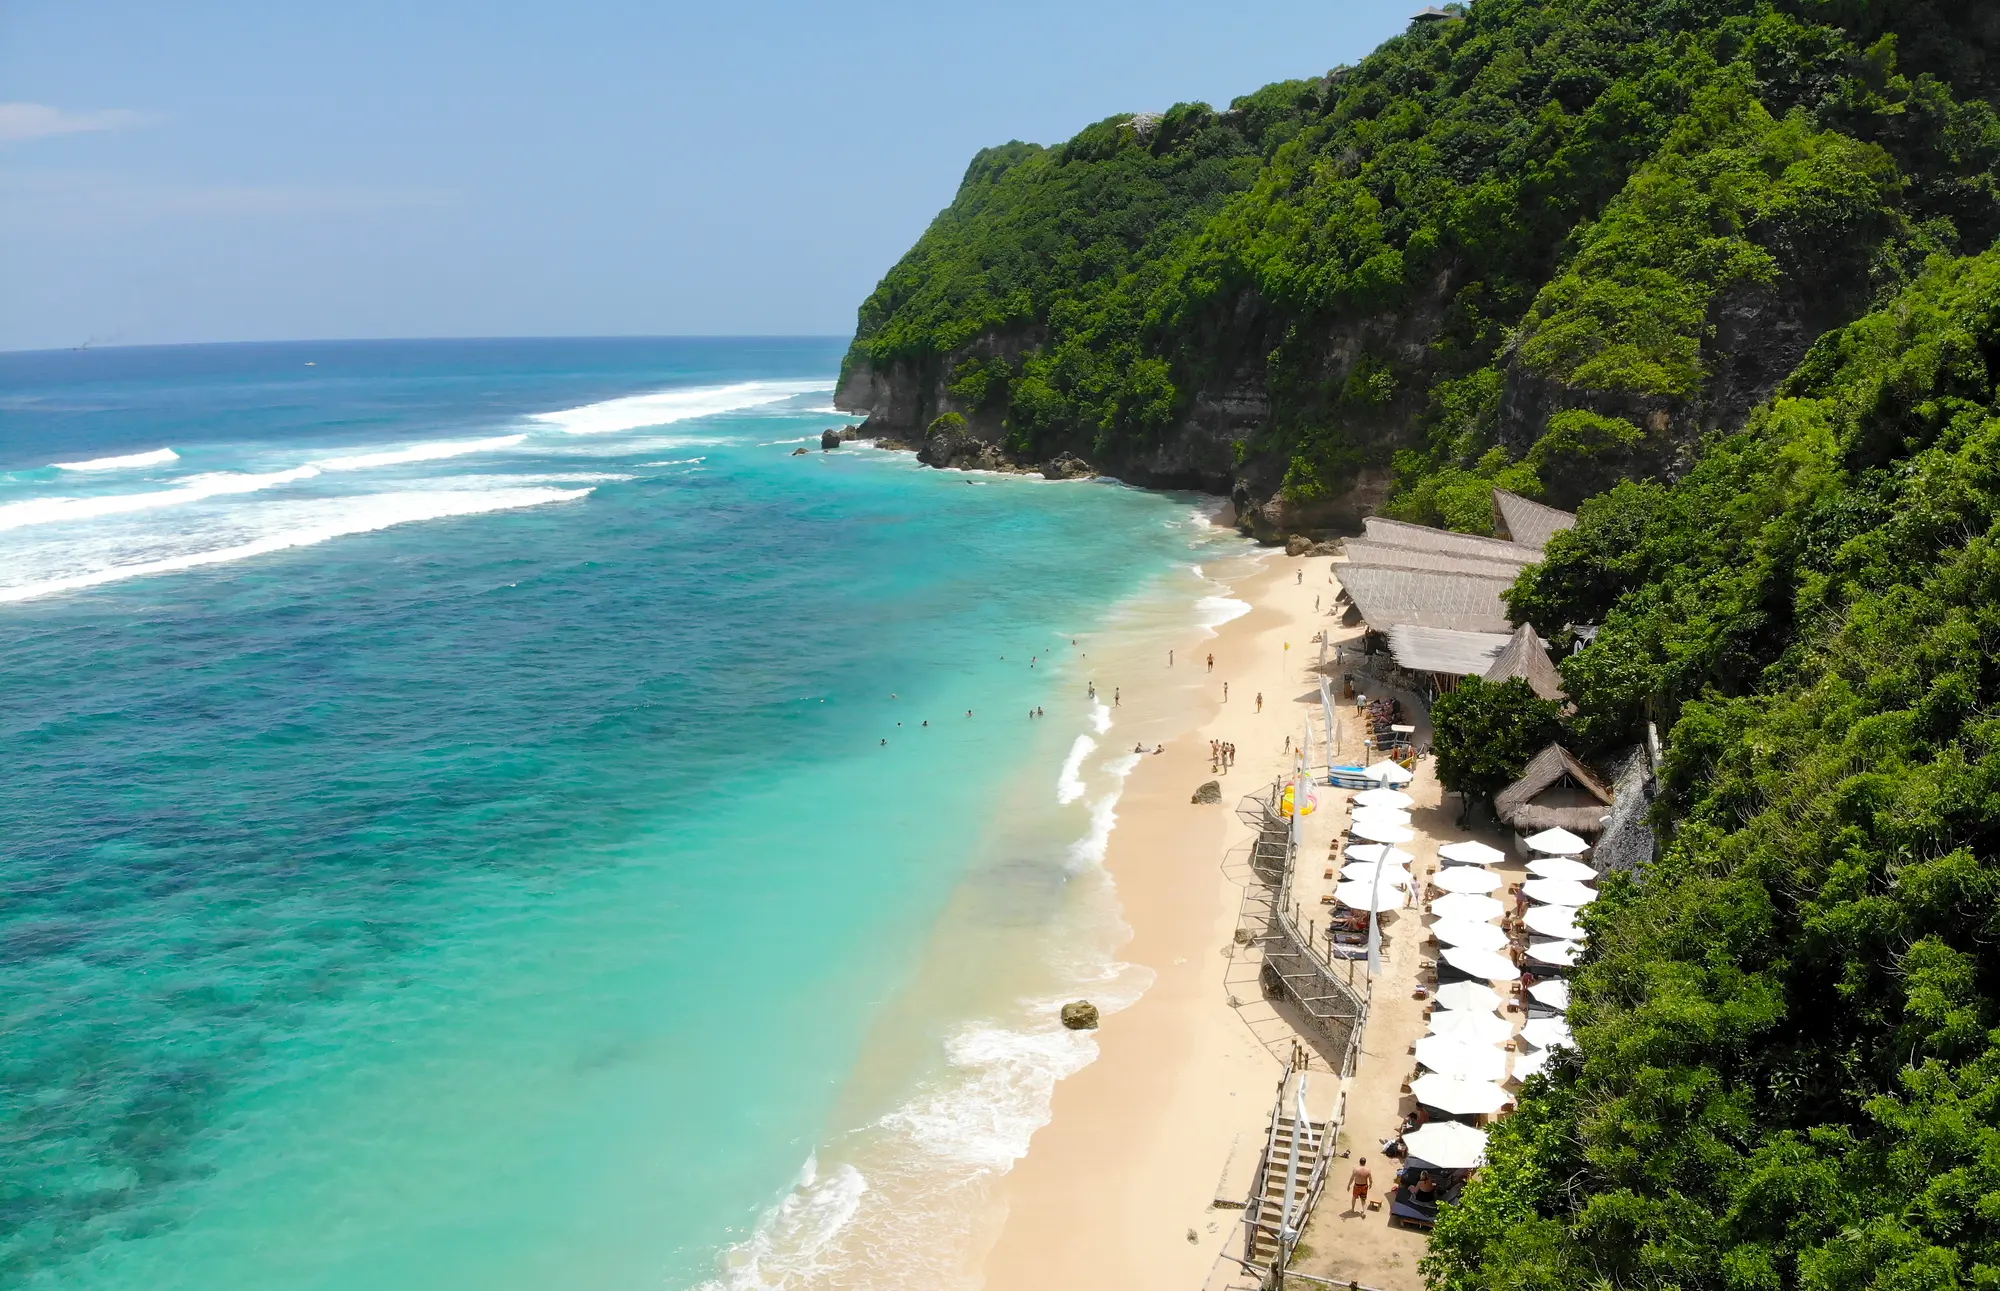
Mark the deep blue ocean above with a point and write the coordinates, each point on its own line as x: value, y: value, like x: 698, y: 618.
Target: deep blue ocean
x: 447, y: 838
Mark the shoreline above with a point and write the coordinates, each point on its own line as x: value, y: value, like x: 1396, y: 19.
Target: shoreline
x: 1118, y: 1188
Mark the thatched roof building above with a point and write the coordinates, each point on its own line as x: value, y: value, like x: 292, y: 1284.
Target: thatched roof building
x: 1362, y: 552
x: 1400, y: 533
x: 1529, y: 523
x: 1555, y: 791
x: 1443, y: 653
x: 1388, y: 597
x: 1525, y: 656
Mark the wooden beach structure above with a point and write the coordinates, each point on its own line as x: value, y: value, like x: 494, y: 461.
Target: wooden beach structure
x: 1556, y: 791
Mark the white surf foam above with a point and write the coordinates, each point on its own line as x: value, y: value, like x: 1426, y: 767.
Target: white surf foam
x: 998, y: 1094
x: 158, y: 457
x: 363, y: 514
x: 1214, y: 611
x: 56, y: 510
x: 1100, y: 716
x: 1069, y: 784
x: 791, y: 1241
x: 665, y: 407
x: 434, y: 451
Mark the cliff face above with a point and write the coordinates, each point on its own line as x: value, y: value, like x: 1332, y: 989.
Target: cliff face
x: 1537, y: 246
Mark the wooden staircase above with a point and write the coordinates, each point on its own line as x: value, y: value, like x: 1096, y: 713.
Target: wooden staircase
x: 1270, y: 1204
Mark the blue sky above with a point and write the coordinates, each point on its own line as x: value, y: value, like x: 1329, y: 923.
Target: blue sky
x: 246, y: 171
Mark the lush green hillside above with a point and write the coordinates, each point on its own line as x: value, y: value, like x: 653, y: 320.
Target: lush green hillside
x: 1789, y: 1072
x: 1555, y: 241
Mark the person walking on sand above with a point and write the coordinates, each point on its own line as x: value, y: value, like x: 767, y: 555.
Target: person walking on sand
x: 1358, y: 1184
x: 1302, y: 578
x: 1225, y: 692
x: 1115, y: 700
x: 1211, y: 661
x: 1260, y: 701
x: 1170, y: 658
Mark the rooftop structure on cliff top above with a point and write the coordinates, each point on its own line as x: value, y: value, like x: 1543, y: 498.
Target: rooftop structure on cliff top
x: 1444, y: 542
x: 1431, y: 13
x: 1360, y: 551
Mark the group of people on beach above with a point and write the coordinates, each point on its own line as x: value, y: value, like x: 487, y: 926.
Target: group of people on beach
x: 1221, y: 755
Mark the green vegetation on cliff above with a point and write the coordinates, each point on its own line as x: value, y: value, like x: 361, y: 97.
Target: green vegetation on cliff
x: 1551, y: 243
x: 1789, y: 1068
x: 1719, y: 270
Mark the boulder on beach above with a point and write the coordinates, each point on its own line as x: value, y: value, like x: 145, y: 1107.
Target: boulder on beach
x: 829, y: 439
x: 1210, y: 792
x: 1067, y: 466
x: 1080, y: 1015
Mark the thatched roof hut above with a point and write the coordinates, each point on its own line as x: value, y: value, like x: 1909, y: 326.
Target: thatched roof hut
x: 1525, y: 656
x: 1444, y: 653
x: 1387, y: 597
x: 1555, y: 791
x: 1529, y: 523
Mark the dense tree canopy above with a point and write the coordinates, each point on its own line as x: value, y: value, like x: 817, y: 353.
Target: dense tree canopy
x: 1486, y: 732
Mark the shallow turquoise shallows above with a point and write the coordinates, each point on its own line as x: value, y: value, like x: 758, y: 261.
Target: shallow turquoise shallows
x: 446, y: 839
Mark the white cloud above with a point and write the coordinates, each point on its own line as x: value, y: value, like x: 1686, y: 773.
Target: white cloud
x: 20, y: 121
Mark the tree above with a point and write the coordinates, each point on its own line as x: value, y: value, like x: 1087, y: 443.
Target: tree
x: 1485, y: 734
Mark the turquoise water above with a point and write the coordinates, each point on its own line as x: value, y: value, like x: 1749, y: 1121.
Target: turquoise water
x: 446, y: 837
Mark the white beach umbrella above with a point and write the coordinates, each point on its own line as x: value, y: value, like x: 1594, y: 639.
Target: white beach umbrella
x: 1471, y: 853
x: 1362, y: 872
x: 1458, y: 1097
x: 1558, y: 921
x: 1484, y: 964
x: 1557, y: 842
x: 1561, y: 867
x: 1380, y: 831
x: 1472, y: 1026
x: 1465, y: 932
x: 1465, y: 905
x: 1559, y: 892
x: 1382, y: 815
x: 1468, y: 996
x: 1448, y: 1145
x: 1388, y: 773
x: 1554, y: 993
x: 1368, y: 896
x: 1379, y: 853
x: 1530, y: 1062
x: 1466, y: 878
x: 1547, y: 1033
x: 1449, y: 1057
x: 1563, y: 954
x: 1383, y: 798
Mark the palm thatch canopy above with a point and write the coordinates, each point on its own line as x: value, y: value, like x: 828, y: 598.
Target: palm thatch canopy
x: 1529, y: 523
x: 1425, y: 598
x: 1555, y: 792
x: 1527, y: 658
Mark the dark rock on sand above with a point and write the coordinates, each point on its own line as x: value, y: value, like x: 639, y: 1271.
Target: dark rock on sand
x: 1210, y: 792
x: 1080, y: 1015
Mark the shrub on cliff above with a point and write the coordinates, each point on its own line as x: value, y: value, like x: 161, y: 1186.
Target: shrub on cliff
x: 1485, y: 733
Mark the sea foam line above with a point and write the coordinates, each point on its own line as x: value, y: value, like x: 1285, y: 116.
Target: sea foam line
x: 157, y: 457
x: 432, y: 451
x: 1069, y: 783
x: 218, y: 484
x: 665, y: 407
x: 363, y: 514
